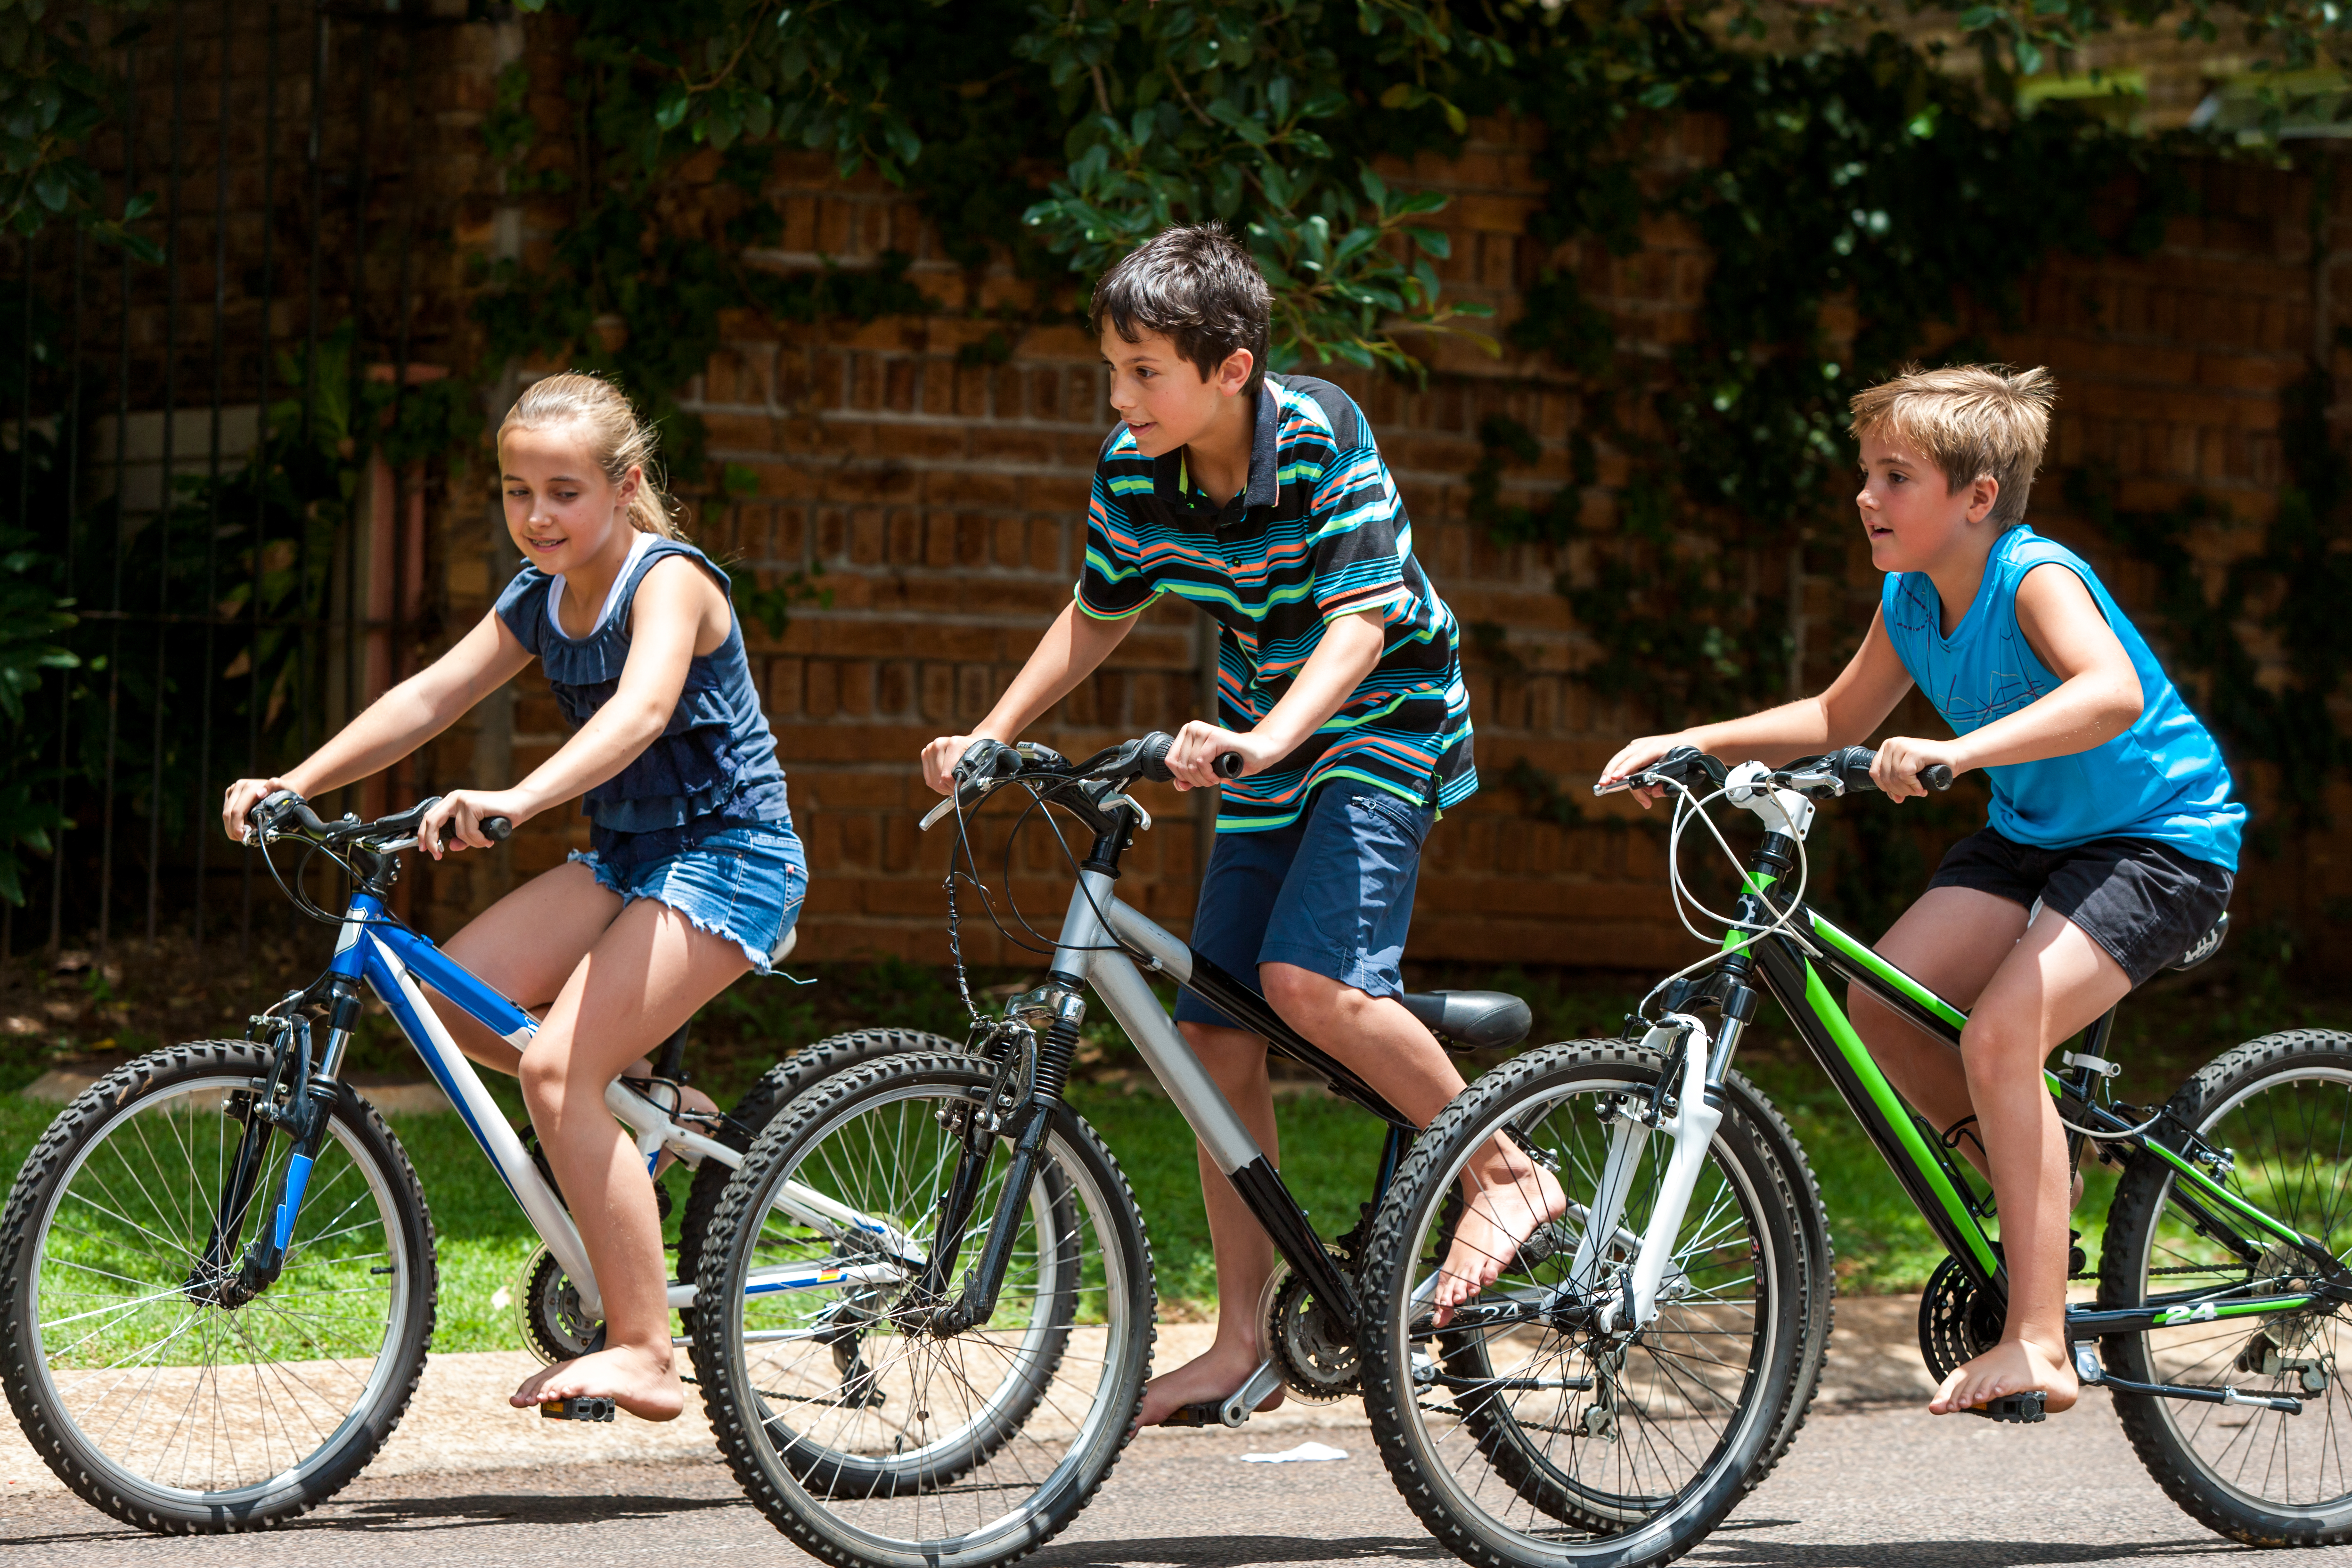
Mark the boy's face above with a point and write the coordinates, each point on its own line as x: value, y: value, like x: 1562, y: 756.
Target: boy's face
x: 1163, y: 397
x: 1913, y: 517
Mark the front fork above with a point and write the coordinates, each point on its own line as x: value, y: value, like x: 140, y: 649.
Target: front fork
x: 224, y: 1277
x: 1686, y: 1112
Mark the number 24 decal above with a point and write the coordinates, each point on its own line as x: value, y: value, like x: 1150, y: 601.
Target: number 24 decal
x: 2174, y: 1316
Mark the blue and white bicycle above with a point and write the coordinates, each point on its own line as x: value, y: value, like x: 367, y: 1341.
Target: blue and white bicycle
x: 216, y: 1268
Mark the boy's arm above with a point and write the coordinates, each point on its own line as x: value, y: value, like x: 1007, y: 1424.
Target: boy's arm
x: 2098, y: 696
x: 1856, y: 703
x: 1071, y: 650
x: 1348, y: 651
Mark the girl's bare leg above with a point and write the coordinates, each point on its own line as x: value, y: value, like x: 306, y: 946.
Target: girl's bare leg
x: 525, y: 947
x: 2056, y: 982
x: 644, y: 977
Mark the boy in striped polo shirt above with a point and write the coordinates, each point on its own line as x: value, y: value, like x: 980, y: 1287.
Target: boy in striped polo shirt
x: 1264, y: 500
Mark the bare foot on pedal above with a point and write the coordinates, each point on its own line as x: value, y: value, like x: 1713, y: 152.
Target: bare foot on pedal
x: 1506, y: 1209
x: 639, y: 1381
x: 1214, y: 1375
x: 2012, y: 1366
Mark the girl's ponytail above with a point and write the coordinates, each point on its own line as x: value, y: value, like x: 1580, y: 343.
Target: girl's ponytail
x: 620, y: 440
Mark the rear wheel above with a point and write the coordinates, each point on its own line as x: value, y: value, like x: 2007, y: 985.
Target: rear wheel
x: 2281, y: 1108
x: 139, y: 1387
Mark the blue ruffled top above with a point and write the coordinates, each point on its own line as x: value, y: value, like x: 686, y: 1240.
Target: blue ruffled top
x: 714, y: 767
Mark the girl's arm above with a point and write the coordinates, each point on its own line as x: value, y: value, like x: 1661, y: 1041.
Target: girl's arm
x: 1349, y: 651
x: 1856, y: 703
x: 395, y: 723
x: 2098, y: 696
x: 1073, y: 648
x: 673, y: 603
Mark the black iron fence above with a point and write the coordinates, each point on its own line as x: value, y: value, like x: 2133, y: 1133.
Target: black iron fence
x: 214, y: 453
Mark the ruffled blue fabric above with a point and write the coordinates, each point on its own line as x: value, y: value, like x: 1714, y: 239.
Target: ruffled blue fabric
x: 713, y: 766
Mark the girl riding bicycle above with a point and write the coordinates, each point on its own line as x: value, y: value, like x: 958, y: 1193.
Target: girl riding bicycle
x: 694, y: 874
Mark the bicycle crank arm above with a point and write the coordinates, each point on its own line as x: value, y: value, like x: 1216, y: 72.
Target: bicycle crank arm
x: 2087, y: 1368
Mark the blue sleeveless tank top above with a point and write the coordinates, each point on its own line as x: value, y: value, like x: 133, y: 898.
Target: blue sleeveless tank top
x: 713, y: 767
x: 2161, y: 779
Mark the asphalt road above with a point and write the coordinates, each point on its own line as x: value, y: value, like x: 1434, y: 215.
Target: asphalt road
x: 1888, y: 1487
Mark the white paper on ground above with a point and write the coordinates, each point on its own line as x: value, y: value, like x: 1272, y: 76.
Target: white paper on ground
x: 1305, y: 1451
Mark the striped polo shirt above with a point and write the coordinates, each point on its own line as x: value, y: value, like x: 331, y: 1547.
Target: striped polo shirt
x: 1320, y: 533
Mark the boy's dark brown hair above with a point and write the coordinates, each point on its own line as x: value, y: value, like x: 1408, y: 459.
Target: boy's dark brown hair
x: 1969, y: 420
x: 1199, y: 288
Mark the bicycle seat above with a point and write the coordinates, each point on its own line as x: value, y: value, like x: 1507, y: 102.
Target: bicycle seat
x: 1479, y: 1020
x: 2204, y: 947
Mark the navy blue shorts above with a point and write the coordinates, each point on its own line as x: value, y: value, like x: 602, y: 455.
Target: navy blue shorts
x: 1331, y: 893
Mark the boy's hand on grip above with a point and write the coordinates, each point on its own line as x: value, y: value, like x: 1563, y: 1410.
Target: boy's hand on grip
x: 1902, y: 761
x: 1639, y: 754
x: 940, y: 760
x: 237, y: 804
x: 1193, y: 760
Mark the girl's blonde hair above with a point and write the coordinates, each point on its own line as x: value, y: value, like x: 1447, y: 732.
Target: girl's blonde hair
x: 1969, y: 420
x: 618, y: 436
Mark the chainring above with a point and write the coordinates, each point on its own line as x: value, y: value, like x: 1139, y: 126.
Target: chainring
x: 549, y: 1313
x: 1314, y: 1351
x: 1958, y: 1323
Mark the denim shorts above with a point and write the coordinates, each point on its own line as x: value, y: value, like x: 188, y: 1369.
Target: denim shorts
x: 745, y: 884
x: 1331, y: 893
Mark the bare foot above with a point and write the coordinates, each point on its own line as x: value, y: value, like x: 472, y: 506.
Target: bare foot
x: 1216, y: 1374
x: 1496, y: 1219
x: 2012, y: 1366
x: 640, y: 1381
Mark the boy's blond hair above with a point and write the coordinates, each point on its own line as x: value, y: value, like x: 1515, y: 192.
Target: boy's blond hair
x: 1969, y: 420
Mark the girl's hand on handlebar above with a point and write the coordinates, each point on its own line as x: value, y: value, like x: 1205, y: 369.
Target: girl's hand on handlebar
x: 1901, y: 760
x: 1193, y: 758
x: 462, y: 811
x: 240, y: 799
x: 1639, y: 754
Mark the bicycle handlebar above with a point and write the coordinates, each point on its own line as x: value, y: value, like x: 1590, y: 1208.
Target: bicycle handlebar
x: 1847, y: 769
x: 272, y: 814
x: 987, y: 765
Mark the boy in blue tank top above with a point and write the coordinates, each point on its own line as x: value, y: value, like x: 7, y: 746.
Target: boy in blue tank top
x: 2113, y: 836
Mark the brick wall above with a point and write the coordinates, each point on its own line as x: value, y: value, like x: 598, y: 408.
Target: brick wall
x: 942, y: 500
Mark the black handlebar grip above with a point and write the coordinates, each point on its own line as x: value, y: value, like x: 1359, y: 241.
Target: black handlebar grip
x: 1854, y: 765
x: 1936, y: 776
x: 497, y: 829
x: 1229, y: 766
x: 1152, y: 757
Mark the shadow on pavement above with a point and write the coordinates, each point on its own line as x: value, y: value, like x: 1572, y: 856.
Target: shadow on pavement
x: 1717, y: 1553
x: 479, y: 1508
x: 1220, y: 1552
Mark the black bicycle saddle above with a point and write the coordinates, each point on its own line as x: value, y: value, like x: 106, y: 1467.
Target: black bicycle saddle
x: 1479, y: 1020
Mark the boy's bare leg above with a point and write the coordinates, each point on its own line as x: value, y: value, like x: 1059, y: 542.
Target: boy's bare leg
x: 2054, y: 982
x: 645, y: 976
x: 1951, y: 940
x: 1236, y: 1060
x: 1505, y: 1195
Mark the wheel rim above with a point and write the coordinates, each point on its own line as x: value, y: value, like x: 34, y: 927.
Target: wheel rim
x: 1533, y: 1464
x: 2293, y: 1160
x: 1022, y: 1396
x: 196, y: 1402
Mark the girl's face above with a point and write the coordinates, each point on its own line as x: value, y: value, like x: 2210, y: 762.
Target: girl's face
x: 1914, y: 519
x: 562, y: 511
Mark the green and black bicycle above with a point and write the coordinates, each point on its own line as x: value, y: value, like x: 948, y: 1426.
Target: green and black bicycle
x: 1610, y: 1397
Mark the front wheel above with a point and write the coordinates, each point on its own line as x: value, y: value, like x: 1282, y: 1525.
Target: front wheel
x: 1530, y: 1437
x: 2280, y: 1106
x: 867, y: 1434
x: 146, y: 1389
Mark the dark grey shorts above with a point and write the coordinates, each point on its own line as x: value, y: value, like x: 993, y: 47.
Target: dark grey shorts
x: 2145, y: 902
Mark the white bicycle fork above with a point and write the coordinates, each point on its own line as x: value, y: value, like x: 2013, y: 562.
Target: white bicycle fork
x: 1692, y: 1127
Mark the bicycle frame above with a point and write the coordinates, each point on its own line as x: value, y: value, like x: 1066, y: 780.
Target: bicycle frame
x: 396, y: 962
x: 1786, y: 949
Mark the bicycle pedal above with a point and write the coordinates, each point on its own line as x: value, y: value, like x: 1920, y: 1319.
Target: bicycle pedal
x: 2023, y: 1409
x: 1200, y: 1413
x: 581, y: 1407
